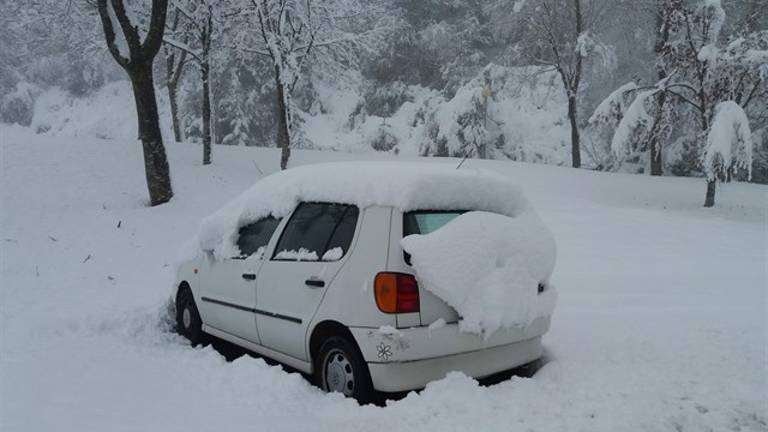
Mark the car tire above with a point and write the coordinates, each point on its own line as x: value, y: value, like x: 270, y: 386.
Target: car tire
x: 341, y: 368
x: 188, y: 322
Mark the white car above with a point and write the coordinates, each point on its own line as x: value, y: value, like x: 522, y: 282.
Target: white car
x: 307, y: 268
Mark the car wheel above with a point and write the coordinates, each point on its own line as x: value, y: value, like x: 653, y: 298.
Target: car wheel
x: 188, y: 320
x: 341, y: 368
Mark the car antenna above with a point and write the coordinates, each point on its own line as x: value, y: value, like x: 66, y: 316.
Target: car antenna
x: 462, y: 161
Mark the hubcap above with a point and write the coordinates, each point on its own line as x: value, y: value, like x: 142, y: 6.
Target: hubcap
x: 338, y: 373
x: 186, y: 317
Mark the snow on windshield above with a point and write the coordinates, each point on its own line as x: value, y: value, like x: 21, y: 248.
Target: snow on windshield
x: 488, y: 267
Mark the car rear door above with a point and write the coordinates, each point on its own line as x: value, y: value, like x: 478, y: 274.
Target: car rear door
x: 309, y: 253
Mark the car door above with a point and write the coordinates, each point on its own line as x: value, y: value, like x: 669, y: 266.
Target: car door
x: 230, y: 296
x: 309, y: 253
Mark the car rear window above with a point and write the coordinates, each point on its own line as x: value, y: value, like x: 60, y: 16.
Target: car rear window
x: 317, y: 231
x: 427, y: 221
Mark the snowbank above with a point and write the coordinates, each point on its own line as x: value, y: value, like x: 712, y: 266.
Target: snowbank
x: 108, y: 113
x: 664, y: 329
x: 488, y: 267
x: 407, y: 186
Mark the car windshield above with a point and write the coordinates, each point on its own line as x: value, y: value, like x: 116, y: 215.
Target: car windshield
x: 425, y: 222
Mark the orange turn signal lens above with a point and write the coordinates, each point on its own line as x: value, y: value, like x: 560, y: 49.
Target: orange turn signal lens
x: 396, y: 292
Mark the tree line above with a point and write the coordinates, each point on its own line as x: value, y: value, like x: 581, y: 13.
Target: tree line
x: 644, y: 82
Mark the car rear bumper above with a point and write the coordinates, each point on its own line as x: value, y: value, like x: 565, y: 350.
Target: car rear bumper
x: 400, y: 376
x: 410, y: 358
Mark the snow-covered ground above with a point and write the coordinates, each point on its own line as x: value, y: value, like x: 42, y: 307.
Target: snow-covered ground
x: 660, y: 326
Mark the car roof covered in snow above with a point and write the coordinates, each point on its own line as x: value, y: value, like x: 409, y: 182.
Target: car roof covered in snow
x: 403, y: 185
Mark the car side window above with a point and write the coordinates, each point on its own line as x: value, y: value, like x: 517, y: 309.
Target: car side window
x: 253, y: 238
x: 317, y: 231
x: 342, y: 235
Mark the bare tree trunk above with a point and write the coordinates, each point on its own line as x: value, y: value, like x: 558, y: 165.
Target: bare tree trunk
x: 573, y: 92
x: 138, y: 65
x: 657, y: 135
x: 174, y: 66
x: 283, y: 132
x: 575, y: 139
x: 205, y: 72
x: 709, y: 201
x: 173, y: 98
x: 155, y: 161
x: 205, y: 69
x: 665, y: 9
x: 753, y: 15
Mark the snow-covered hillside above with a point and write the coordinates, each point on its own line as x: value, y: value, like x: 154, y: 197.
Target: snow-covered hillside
x: 660, y: 325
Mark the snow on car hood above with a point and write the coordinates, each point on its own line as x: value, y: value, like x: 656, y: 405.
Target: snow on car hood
x: 404, y: 185
x: 488, y: 267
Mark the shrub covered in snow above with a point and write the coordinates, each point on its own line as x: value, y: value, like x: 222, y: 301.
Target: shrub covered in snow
x: 729, y: 143
x: 18, y: 105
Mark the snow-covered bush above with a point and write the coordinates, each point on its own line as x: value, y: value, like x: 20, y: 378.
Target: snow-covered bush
x: 383, y: 101
x: 604, y: 121
x: 729, y: 143
x: 385, y: 140
x: 523, y: 118
x: 18, y: 106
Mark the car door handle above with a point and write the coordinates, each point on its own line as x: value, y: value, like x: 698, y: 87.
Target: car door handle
x: 249, y: 276
x: 318, y: 283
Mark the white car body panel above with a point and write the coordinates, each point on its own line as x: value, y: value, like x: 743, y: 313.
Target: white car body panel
x: 224, y: 286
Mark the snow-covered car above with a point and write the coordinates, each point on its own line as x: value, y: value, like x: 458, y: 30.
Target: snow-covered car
x: 374, y: 276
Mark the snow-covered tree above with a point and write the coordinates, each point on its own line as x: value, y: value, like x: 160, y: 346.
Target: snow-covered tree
x: 699, y: 67
x: 175, y: 63
x: 292, y: 31
x: 203, y: 20
x: 563, y: 36
x: 605, y: 119
x: 729, y: 147
x: 135, y: 50
x: 233, y: 111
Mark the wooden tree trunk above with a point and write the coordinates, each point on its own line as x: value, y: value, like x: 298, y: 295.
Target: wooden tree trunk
x: 155, y: 161
x: 573, y: 91
x: 174, y: 66
x: 205, y: 72
x: 709, y: 201
x: 173, y: 98
x: 657, y: 136
x: 138, y: 65
x: 664, y: 13
x: 575, y: 139
x: 205, y: 69
x: 283, y: 132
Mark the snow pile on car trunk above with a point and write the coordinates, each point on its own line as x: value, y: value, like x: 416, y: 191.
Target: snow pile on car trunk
x: 407, y: 186
x: 488, y: 267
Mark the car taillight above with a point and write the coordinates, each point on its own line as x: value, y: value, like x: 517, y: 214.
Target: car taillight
x: 396, y: 292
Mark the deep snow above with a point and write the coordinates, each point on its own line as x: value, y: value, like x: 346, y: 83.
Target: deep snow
x: 660, y: 325
x: 488, y: 267
x: 404, y: 185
